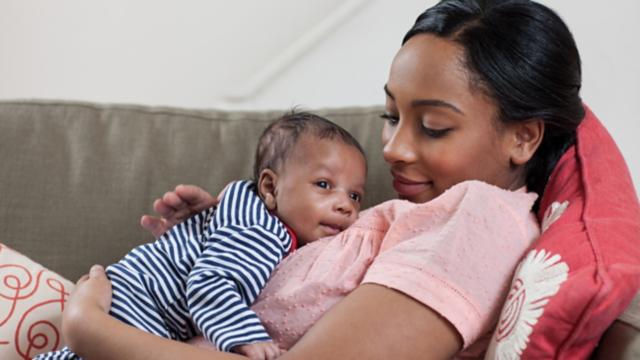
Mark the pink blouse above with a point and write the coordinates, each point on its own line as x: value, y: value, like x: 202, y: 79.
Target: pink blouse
x: 455, y: 254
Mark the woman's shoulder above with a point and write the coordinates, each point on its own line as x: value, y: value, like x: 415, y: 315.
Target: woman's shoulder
x: 456, y: 252
x: 475, y: 194
x: 471, y: 196
x: 477, y: 207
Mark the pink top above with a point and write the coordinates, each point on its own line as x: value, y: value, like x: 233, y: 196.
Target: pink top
x: 455, y: 254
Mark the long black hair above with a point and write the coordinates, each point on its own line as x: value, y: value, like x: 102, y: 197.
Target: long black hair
x: 523, y: 56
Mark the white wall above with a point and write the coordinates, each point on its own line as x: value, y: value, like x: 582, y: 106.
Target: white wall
x: 196, y: 53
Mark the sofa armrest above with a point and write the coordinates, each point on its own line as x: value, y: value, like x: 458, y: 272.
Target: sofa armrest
x: 620, y: 341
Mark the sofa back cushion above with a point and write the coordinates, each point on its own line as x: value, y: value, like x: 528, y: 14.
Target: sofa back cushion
x: 76, y: 177
x: 585, y: 268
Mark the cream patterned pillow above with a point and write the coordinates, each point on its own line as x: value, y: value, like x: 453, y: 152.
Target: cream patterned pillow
x: 31, y: 301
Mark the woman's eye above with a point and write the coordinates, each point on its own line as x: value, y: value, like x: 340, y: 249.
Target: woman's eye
x: 322, y: 184
x: 356, y: 197
x: 435, y: 133
x: 391, y: 119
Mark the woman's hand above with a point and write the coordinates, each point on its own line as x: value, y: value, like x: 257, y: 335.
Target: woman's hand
x: 267, y: 350
x: 93, y: 289
x: 175, y: 206
x: 92, y: 333
x: 92, y: 293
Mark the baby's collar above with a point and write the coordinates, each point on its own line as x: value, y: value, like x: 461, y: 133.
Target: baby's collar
x: 294, y: 239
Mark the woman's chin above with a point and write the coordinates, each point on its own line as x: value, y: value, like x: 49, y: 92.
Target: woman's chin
x: 415, y: 193
x: 417, y: 198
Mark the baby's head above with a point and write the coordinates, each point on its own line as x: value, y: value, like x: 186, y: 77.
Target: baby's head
x: 311, y: 173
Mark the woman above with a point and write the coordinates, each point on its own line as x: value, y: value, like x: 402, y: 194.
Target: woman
x: 480, y: 90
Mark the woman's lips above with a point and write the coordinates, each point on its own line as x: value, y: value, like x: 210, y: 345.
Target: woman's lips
x: 408, y: 188
x: 330, y: 229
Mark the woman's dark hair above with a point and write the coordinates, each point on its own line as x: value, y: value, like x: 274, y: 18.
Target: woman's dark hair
x: 279, y: 138
x: 523, y: 56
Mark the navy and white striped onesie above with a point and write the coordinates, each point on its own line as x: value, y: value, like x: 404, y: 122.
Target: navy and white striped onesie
x: 202, y: 275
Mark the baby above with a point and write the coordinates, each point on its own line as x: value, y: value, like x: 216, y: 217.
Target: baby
x: 202, y: 276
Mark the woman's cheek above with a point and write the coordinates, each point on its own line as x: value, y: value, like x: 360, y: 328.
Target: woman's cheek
x: 386, y: 134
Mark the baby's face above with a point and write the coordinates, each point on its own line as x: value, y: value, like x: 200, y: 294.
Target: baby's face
x: 320, y: 187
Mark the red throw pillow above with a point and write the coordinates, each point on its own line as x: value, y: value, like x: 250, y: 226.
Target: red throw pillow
x: 583, y: 271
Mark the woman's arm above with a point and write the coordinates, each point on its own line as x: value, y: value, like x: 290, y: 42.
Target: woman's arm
x: 99, y: 336
x: 373, y: 322
x: 93, y: 334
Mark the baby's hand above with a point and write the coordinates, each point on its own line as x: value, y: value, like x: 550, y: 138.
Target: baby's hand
x: 259, y: 351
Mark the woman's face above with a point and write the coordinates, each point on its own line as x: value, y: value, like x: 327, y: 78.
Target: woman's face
x: 440, y: 130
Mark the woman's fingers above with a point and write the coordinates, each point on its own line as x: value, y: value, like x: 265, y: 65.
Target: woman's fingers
x: 273, y: 352
x: 182, y: 202
x: 92, y: 290
x: 195, y: 198
x: 171, y: 210
x: 260, y: 351
x: 164, y: 208
x: 82, y: 279
x: 96, y: 271
x: 154, y: 225
x: 176, y: 206
x: 171, y: 202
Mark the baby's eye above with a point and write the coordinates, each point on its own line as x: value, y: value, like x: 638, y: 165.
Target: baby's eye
x: 322, y: 184
x: 355, y: 197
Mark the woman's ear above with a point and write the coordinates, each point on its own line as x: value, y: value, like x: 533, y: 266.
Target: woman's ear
x: 527, y: 136
x: 267, y: 188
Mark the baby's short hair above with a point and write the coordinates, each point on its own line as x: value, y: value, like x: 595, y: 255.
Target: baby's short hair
x: 279, y: 138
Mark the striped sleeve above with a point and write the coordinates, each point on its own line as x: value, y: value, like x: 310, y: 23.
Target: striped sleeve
x: 237, y: 260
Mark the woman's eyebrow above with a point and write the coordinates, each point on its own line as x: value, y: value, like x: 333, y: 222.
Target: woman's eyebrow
x: 427, y: 102
x: 436, y: 103
x: 386, y: 90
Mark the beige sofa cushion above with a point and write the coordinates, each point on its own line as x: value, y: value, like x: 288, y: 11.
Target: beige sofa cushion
x: 76, y: 177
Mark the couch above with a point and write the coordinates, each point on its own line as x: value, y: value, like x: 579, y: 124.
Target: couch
x: 76, y: 177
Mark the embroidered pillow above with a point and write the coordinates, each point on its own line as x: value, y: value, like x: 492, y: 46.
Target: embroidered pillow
x: 583, y: 271
x: 31, y: 301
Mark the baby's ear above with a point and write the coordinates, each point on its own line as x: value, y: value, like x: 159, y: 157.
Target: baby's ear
x: 267, y: 188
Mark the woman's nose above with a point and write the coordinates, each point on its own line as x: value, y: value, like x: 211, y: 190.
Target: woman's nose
x: 399, y: 145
